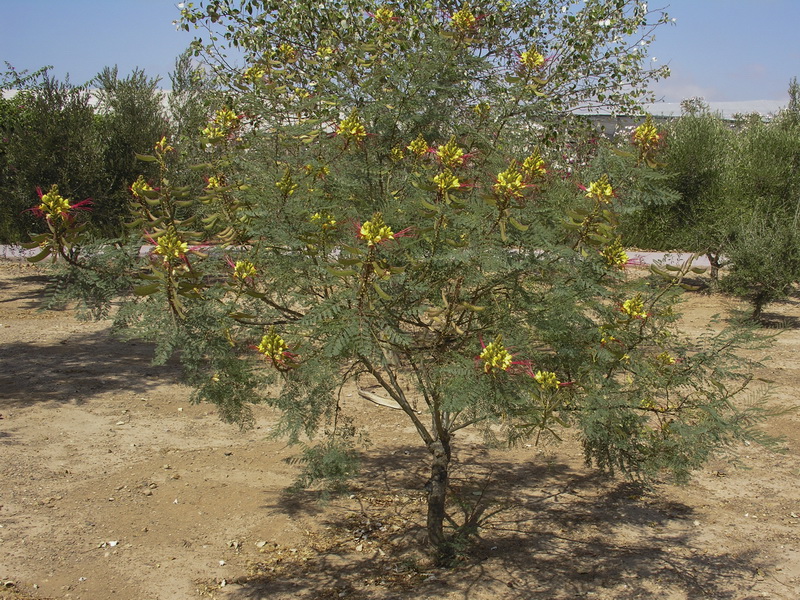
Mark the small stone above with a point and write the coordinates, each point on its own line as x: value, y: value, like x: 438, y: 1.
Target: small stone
x: 261, y: 544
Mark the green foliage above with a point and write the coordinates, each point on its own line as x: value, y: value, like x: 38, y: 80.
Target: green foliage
x: 736, y: 187
x: 49, y: 119
x: 379, y: 212
x: 764, y: 261
x: 694, y: 214
x: 130, y: 119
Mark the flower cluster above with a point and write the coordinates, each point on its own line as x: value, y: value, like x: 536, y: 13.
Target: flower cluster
x: 214, y: 182
x: 547, y: 380
x: 646, y: 136
x: 254, y: 74
x: 510, y: 182
x: 275, y: 349
x: 419, y: 147
x: 446, y: 181
x: 385, y: 16
x: 533, y: 166
x: 324, y: 220
x: 614, y: 254
x: 52, y: 205
x: 666, y: 359
x: 287, y: 52
x: 140, y: 188
x: 244, y: 269
x: 324, y: 52
x: 162, y: 146
x: 600, y: 190
x: 376, y: 231
x: 351, y: 128
x: 482, y: 109
x: 495, y: 357
x: 464, y: 20
x: 634, y: 307
x: 286, y: 184
x: 450, y: 154
x: 222, y: 125
x: 170, y: 246
x: 531, y: 59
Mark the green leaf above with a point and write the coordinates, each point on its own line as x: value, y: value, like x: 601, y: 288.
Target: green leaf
x: 517, y: 225
x: 341, y: 272
x: 146, y: 290
x: 146, y: 158
x: 41, y: 256
x: 383, y: 295
x: 428, y: 205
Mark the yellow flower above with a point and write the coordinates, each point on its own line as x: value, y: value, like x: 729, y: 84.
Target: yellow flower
x: 531, y: 59
x: 324, y: 220
x: 170, y: 246
x: 385, y: 15
x: 274, y: 347
x: 646, y: 135
x: 450, y: 154
x: 634, y: 307
x: 140, y: 187
x: 162, y: 146
x: 286, y: 184
x: 224, y: 122
x: 215, y: 182
x: 287, y: 51
x: 226, y: 119
x: 614, y: 254
x: 213, y: 133
x: 419, y: 146
x: 547, y: 380
x: 600, y: 190
x: 533, y: 166
x: 54, y: 204
x: 495, y: 357
x: 254, y: 74
x: 482, y: 109
x: 446, y: 181
x: 397, y: 154
x: 666, y: 359
x: 376, y: 231
x: 509, y: 182
x: 243, y: 269
x: 324, y: 52
x: 464, y: 20
x: 352, y: 128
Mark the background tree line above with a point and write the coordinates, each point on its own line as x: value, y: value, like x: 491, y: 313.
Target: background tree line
x: 84, y: 139
x: 731, y: 191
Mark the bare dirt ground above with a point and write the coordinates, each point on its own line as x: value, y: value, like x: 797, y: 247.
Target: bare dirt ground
x: 114, y: 486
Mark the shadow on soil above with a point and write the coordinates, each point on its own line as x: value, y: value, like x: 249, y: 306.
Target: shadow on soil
x: 77, y: 368
x: 549, y: 531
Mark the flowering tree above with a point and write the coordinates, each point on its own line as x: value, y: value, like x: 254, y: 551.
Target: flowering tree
x: 379, y: 208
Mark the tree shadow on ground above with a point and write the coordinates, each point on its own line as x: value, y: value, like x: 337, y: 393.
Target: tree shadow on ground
x: 550, y: 531
x: 78, y: 368
x: 28, y: 288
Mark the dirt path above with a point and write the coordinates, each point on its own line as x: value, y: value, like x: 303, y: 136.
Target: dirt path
x: 115, y: 486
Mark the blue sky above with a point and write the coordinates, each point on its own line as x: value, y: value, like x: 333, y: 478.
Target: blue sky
x: 723, y: 50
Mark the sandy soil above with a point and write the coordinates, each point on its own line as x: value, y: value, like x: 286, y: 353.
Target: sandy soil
x: 114, y: 486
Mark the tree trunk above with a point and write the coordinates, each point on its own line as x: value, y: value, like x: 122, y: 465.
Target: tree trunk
x: 437, y: 495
